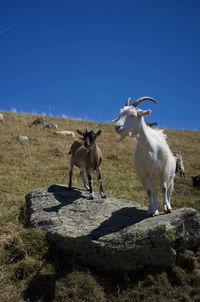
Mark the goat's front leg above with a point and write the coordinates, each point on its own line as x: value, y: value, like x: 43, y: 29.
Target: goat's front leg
x: 149, y: 194
x: 90, y: 184
x: 152, y: 196
x: 103, y: 195
x: 155, y: 203
x: 84, y: 181
x: 70, y: 175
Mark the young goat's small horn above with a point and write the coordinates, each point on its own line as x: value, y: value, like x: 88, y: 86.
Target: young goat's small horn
x: 94, y: 128
x: 144, y: 98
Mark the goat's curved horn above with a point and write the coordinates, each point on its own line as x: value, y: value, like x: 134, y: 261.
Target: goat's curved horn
x: 144, y: 98
x: 86, y: 129
x: 128, y: 102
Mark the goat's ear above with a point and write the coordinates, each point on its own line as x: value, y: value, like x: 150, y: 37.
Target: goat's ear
x: 80, y: 132
x: 144, y: 113
x: 98, y: 133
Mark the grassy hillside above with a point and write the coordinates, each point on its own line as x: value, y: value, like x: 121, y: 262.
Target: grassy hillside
x: 30, y: 268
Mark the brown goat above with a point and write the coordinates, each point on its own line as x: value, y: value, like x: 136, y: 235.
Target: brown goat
x: 87, y: 156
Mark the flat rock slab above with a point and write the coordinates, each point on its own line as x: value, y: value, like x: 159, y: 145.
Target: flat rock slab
x: 111, y: 234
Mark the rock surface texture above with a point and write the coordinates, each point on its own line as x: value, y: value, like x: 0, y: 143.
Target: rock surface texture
x: 111, y: 234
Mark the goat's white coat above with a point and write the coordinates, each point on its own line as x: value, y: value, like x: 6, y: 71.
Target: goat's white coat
x: 154, y: 162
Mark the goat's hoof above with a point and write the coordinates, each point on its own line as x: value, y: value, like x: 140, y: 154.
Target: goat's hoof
x: 150, y: 214
x: 103, y: 195
x: 167, y: 211
x: 70, y: 187
x: 91, y: 197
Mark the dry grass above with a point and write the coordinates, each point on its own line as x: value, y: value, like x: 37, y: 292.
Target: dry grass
x: 30, y: 269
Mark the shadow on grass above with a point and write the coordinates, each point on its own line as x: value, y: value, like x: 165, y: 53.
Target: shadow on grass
x: 48, y: 287
x: 42, y: 287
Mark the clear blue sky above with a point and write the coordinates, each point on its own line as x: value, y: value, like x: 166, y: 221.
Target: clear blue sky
x: 84, y: 58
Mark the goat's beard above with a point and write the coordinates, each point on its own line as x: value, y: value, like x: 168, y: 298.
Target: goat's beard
x: 123, y: 135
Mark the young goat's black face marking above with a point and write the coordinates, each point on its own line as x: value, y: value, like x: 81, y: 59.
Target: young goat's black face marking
x: 89, y: 137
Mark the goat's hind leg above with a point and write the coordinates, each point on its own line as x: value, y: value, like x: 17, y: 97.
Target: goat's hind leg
x: 169, y: 191
x: 103, y: 195
x: 166, y: 198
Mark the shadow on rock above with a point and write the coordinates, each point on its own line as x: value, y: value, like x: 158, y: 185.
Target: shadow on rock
x: 119, y: 220
x: 64, y: 195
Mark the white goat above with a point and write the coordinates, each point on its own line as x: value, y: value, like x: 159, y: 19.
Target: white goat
x: 1, y: 118
x: 51, y: 126
x: 64, y: 133
x: 154, y: 162
x: 86, y: 155
x: 179, y: 164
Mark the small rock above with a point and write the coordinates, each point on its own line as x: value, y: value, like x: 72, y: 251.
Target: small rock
x: 65, y: 133
x: 23, y: 138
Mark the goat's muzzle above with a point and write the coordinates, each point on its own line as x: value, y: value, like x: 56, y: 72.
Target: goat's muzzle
x: 117, y: 128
